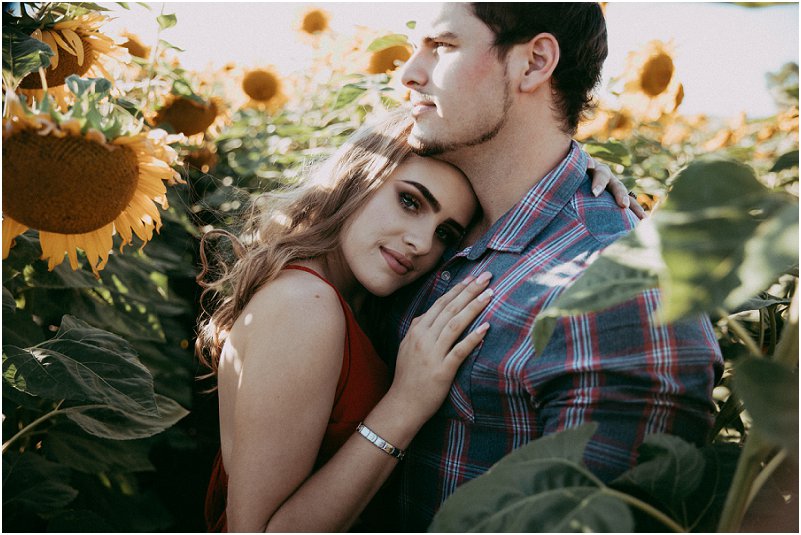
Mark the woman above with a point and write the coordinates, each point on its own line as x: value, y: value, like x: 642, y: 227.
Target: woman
x: 310, y: 431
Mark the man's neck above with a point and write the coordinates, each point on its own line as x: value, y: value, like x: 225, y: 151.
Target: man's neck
x: 503, y: 169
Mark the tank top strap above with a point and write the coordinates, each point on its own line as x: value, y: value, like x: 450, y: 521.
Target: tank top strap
x: 311, y: 271
x: 350, y: 325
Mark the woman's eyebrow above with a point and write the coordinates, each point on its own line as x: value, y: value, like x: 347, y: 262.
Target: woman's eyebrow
x: 426, y: 194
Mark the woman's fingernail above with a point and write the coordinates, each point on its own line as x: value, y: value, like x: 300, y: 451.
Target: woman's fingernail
x: 485, y: 295
x: 483, y: 327
x: 597, y: 190
x: 467, y: 280
x: 484, y: 278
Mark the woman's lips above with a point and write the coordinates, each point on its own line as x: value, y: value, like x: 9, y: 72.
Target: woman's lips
x: 396, y: 261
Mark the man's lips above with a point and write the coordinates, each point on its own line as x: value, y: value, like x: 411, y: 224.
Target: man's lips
x: 420, y: 106
x: 396, y: 261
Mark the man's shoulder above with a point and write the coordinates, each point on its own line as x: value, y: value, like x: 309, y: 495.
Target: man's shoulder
x: 600, y: 217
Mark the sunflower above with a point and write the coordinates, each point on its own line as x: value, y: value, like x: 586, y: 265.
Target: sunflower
x: 314, y: 21
x: 78, y: 48
x: 651, y: 86
x: 134, y: 46
x: 606, y: 123
x: 188, y: 116
x: 203, y: 158
x: 264, y: 87
x: 78, y: 187
x: 388, y: 59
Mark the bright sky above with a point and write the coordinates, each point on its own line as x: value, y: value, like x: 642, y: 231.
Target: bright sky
x: 722, y: 50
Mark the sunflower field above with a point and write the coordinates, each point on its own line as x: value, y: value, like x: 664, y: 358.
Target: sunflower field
x: 118, y: 159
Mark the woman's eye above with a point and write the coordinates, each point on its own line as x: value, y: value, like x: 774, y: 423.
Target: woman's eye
x: 448, y: 236
x: 408, y: 201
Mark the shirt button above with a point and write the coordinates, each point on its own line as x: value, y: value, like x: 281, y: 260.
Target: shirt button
x: 446, y: 276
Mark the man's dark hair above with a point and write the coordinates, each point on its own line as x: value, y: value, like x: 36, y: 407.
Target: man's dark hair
x: 580, y: 30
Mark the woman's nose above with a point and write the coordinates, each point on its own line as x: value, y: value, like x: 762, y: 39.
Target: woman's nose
x: 419, y: 242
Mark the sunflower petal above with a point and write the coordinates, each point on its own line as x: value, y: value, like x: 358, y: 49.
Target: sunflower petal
x: 11, y: 229
x: 63, y: 44
x: 74, y: 40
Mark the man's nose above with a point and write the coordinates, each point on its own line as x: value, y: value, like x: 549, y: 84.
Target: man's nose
x: 414, y: 74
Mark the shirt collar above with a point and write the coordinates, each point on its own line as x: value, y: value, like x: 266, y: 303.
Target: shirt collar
x: 521, y: 224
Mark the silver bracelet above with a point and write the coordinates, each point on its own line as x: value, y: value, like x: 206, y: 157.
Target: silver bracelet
x: 380, y: 443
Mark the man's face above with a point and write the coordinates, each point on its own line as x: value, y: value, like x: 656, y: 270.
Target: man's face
x: 461, y: 94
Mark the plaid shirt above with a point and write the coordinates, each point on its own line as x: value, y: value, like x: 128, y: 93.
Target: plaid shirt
x: 613, y: 367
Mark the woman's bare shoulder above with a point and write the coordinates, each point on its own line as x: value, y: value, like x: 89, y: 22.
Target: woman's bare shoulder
x: 295, y: 303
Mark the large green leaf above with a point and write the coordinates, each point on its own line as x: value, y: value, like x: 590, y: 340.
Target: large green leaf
x: 668, y: 469
x: 714, y: 209
x: 72, y: 447
x: 721, y: 238
x: 788, y: 160
x: 771, y: 250
x: 108, y: 422
x: 35, y: 484
x: 540, y: 487
x: 22, y: 54
x: 769, y: 391
x: 84, y: 364
x: 626, y: 268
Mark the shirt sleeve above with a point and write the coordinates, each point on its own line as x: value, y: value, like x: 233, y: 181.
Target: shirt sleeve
x: 631, y: 376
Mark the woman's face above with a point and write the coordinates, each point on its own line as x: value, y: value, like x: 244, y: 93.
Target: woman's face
x: 403, y: 229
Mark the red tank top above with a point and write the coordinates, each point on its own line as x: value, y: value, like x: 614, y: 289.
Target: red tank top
x: 363, y: 381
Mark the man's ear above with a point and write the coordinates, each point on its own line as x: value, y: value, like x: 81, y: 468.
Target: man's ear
x: 543, y: 56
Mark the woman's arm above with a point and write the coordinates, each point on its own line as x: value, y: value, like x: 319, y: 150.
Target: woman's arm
x: 284, y: 400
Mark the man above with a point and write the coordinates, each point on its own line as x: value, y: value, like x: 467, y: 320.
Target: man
x: 498, y: 89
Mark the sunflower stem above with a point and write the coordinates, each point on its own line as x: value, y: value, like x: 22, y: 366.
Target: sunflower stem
x: 25, y: 430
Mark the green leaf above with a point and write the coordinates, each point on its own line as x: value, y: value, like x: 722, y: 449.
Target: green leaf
x: 80, y: 86
x: 80, y: 521
x: 72, y: 447
x: 108, y: 422
x: 788, y: 160
x: 769, y: 391
x: 771, y: 250
x: 714, y: 209
x: 668, y: 469
x: 35, y: 484
x: 540, y: 487
x: 411, y: 24
x: 84, y: 364
x: 169, y: 46
x: 22, y: 54
x: 62, y: 277
x: 763, y: 300
x: 624, y: 269
x: 167, y: 21
x: 9, y: 303
x: 610, y: 151
x: 387, y: 41
x: 348, y: 94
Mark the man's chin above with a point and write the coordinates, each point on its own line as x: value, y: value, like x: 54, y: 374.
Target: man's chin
x: 423, y: 147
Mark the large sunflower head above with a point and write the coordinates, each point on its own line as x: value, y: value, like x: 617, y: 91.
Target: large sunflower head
x: 651, y: 86
x: 264, y: 87
x: 79, y: 48
x: 78, y: 180
x: 188, y: 114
